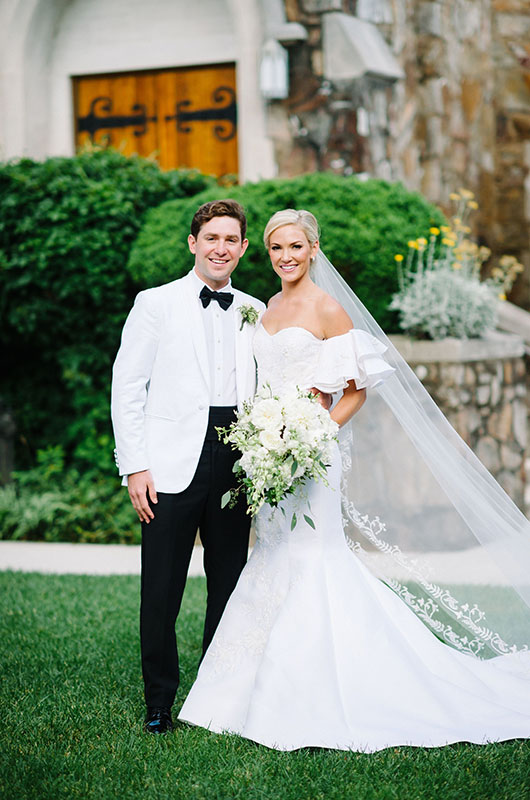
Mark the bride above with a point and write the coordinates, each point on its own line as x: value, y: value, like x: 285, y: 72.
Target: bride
x: 325, y: 641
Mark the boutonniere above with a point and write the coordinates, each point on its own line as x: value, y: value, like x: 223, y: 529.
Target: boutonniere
x: 248, y: 314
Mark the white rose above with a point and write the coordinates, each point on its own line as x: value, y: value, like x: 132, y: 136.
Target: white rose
x: 267, y: 414
x: 271, y: 440
x: 245, y: 462
x: 311, y: 436
x: 300, y: 408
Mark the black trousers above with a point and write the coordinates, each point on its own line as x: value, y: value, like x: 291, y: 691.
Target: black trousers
x: 167, y: 544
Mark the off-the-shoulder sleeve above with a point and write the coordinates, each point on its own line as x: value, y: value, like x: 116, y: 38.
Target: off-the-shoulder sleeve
x: 356, y: 355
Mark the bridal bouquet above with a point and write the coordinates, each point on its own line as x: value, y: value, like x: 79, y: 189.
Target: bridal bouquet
x: 283, y: 443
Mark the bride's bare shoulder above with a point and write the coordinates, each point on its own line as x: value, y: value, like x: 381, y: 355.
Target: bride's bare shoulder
x: 335, y: 320
x: 273, y: 300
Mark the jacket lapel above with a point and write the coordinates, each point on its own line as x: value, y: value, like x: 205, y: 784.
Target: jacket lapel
x: 245, y: 367
x: 192, y: 311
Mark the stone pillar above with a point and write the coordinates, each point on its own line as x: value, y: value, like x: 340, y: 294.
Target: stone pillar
x: 509, y: 230
x: 459, y: 118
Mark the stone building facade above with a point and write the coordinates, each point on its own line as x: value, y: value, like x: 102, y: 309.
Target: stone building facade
x: 458, y: 116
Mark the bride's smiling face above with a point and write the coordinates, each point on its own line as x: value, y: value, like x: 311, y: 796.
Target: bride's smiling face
x: 290, y: 252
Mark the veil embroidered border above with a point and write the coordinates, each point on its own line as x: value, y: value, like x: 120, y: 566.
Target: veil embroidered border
x: 424, y: 514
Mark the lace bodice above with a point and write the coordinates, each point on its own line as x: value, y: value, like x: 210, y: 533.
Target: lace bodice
x: 286, y: 358
x: 295, y: 357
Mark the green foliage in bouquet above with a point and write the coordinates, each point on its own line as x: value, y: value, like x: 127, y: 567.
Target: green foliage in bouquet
x: 66, y: 228
x: 441, y: 292
x: 283, y: 442
x: 363, y: 224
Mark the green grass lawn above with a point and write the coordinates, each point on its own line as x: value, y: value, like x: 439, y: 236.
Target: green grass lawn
x: 72, y: 712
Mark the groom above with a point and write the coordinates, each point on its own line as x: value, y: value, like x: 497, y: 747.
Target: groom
x: 184, y: 365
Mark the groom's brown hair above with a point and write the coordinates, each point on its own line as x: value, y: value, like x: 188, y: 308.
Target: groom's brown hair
x: 218, y: 208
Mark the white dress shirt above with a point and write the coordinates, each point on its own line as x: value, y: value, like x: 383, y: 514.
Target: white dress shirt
x: 219, y: 328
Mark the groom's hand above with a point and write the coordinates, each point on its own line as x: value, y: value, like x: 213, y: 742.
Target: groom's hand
x: 140, y: 485
x: 323, y: 398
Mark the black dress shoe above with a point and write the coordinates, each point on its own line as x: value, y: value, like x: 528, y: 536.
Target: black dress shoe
x: 158, y: 720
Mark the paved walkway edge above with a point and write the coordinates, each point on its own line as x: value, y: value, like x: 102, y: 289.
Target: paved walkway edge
x: 62, y: 558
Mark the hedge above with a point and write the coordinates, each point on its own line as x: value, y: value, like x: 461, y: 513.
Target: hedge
x: 55, y: 503
x: 66, y: 228
x: 364, y: 224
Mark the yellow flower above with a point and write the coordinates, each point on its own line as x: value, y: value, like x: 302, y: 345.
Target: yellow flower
x: 466, y: 194
x: 454, y: 196
x: 422, y: 242
x: 398, y: 257
x: 502, y: 296
x: 457, y: 220
x: 413, y: 244
x: 466, y: 229
x: 448, y: 242
x: 457, y: 265
x: 434, y: 231
x: 445, y: 228
x: 472, y: 204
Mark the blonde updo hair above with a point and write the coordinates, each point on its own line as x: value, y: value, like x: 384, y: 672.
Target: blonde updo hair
x: 290, y: 216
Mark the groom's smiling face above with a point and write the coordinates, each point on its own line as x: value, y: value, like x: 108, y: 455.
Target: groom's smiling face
x: 217, y: 250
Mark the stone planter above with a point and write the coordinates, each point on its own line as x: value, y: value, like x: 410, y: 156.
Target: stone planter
x: 480, y: 385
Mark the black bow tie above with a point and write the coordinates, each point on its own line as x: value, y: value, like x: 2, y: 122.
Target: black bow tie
x: 223, y: 298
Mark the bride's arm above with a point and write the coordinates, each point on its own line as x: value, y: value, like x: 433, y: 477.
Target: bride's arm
x: 349, y: 404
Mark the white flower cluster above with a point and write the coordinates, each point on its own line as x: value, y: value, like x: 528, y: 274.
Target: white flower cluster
x: 283, y: 442
x: 443, y: 303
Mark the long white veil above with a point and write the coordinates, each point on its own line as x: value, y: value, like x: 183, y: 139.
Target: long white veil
x: 424, y: 514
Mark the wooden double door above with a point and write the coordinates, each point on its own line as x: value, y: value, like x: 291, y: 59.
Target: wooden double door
x: 182, y: 117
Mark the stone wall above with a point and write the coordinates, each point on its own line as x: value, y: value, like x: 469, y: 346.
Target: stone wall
x: 480, y: 385
x: 510, y: 186
x: 460, y: 117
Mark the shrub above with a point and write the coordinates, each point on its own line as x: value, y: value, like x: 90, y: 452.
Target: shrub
x: 66, y: 228
x: 363, y: 224
x: 443, y: 303
x: 440, y: 288
x: 53, y: 503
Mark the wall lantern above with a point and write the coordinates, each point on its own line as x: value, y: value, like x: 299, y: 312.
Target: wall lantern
x: 274, y: 71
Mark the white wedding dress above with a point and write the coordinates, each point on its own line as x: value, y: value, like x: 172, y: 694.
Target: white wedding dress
x: 312, y: 649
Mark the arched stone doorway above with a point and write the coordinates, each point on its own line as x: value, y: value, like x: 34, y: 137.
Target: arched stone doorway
x: 48, y: 43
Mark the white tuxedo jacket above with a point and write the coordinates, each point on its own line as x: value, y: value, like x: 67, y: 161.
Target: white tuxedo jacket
x: 160, y: 385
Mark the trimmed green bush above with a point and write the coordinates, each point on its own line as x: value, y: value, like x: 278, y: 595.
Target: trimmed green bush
x: 66, y: 228
x: 54, y: 503
x: 363, y: 223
